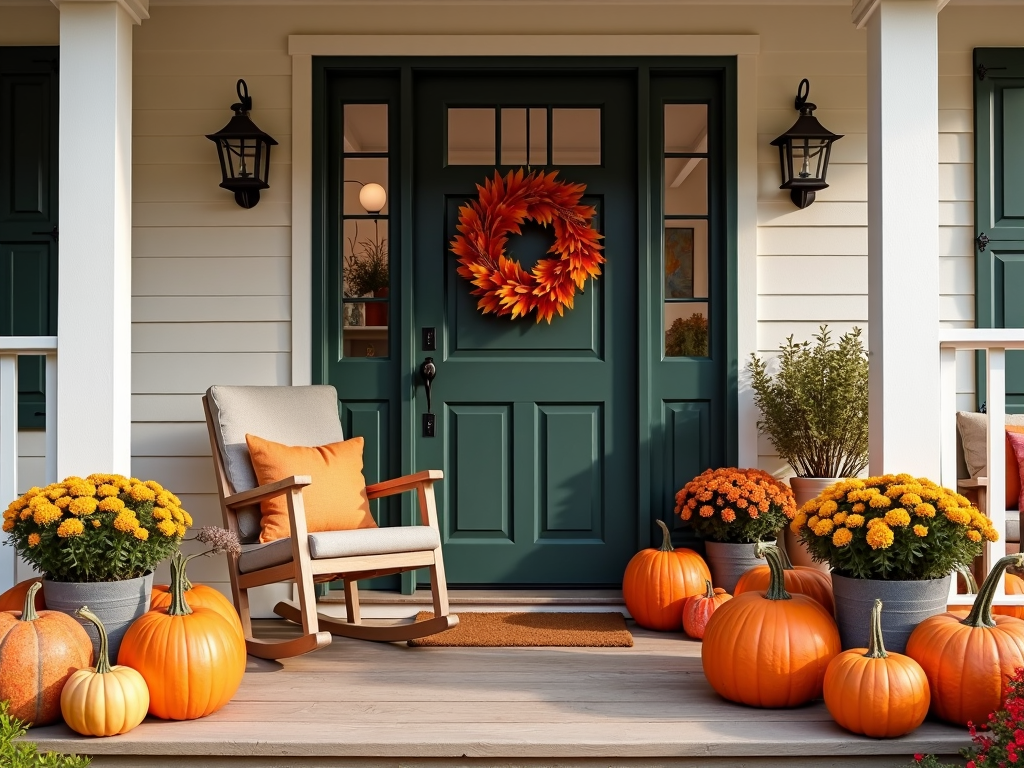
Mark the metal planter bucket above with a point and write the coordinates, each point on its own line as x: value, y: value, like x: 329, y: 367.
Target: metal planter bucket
x: 907, y: 604
x: 117, y: 603
x: 729, y: 561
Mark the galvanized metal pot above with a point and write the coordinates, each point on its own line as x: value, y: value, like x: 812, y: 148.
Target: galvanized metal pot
x: 729, y: 561
x: 906, y: 604
x: 117, y: 603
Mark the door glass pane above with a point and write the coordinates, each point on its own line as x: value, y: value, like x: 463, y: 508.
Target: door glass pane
x: 686, y: 329
x: 576, y: 136
x: 686, y: 186
x: 366, y: 128
x: 513, y: 136
x: 471, y: 136
x: 360, y: 171
x: 686, y: 128
x: 686, y: 259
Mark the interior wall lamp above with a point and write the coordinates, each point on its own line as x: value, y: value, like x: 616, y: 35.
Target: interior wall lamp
x: 804, y: 151
x: 244, y: 152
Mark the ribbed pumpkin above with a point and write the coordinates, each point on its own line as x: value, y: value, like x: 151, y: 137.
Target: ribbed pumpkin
x: 697, y: 610
x: 197, y: 596
x: 874, y: 693
x: 38, y: 653
x: 771, y: 649
x: 1014, y: 586
x: 657, y: 581
x: 107, y: 700
x: 968, y: 660
x: 191, y: 658
x: 800, y: 579
x: 14, y: 598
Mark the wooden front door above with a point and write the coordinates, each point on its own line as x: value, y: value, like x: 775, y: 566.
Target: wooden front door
x: 561, y: 443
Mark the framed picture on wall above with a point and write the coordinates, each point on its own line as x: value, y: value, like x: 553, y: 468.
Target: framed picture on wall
x: 679, y: 263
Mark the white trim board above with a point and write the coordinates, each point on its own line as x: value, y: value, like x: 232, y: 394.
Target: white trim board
x: 745, y: 47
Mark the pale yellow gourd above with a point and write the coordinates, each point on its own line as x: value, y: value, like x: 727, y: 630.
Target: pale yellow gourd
x: 107, y: 700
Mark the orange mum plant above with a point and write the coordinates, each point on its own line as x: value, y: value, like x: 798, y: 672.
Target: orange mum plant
x: 503, y: 285
x: 892, y: 527
x: 736, y: 505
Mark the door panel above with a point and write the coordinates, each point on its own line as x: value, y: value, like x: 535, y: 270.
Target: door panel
x: 540, y: 419
x: 28, y: 213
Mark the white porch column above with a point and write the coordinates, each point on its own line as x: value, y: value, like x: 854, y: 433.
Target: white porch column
x: 903, y: 239
x: 94, y: 296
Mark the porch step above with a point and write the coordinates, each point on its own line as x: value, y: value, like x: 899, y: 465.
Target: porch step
x: 379, y: 604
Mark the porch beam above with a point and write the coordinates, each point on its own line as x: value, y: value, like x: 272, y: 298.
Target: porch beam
x: 94, y: 293
x: 903, y: 236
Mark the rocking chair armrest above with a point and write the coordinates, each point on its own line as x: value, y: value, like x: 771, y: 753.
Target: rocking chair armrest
x: 268, y: 491
x: 402, y: 484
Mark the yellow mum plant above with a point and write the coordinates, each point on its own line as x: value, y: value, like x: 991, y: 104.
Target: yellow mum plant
x: 98, y: 528
x: 892, y: 527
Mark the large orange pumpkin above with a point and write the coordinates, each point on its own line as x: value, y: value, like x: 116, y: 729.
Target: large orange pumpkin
x: 801, y: 579
x: 1014, y: 586
x: 657, y: 581
x: 39, y: 651
x: 198, y: 596
x: 191, y: 658
x: 14, y: 598
x: 874, y: 693
x: 769, y: 649
x: 697, y: 610
x: 968, y: 660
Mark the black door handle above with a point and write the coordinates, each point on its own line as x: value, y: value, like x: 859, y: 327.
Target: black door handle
x: 428, y: 371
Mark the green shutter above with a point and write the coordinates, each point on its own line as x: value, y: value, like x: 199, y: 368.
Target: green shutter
x: 999, y: 204
x: 28, y: 213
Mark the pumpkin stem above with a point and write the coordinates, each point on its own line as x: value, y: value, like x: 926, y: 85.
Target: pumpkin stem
x: 179, y: 606
x: 666, y: 537
x: 787, y: 564
x: 876, y: 645
x: 103, y: 658
x: 968, y: 574
x: 777, y: 582
x: 28, y: 613
x: 981, y: 611
x: 710, y: 593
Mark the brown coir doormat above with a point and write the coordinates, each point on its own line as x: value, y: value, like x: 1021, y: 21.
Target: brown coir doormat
x: 506, y: 630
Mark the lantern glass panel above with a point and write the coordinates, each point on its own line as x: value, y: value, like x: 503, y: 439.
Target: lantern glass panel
x: 808, y: 157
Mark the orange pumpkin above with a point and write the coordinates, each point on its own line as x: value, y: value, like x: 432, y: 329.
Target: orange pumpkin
x: 657, y: 581
x: 874, y: 693
x: 39, y: 651
x: 801, y: 579
x: 14, y: 598
x: 1014, y: 586
x: 198, y: 596
x: 191, y: 658
x: 697, y: 610
x: 969, y: 660
x: 771, y: 649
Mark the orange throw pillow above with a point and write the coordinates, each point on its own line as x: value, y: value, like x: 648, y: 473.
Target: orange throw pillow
x: 1013, y: 484
x: 336, y: 501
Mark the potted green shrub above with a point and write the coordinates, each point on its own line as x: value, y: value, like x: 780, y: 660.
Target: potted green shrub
x: 814, y: 411
x: 367, y: 274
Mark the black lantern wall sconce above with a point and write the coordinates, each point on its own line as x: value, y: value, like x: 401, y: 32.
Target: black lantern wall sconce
x: 244, y: 152
x: 804, y: 151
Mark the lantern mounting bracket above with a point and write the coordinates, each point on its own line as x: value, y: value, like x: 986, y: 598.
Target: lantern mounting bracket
x: 244, y: 105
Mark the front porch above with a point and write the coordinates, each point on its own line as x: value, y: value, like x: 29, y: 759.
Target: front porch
x: 362, y: 704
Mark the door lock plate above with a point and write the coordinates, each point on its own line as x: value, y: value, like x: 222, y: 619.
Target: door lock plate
x: 429, y: 424
x: 429, y: 339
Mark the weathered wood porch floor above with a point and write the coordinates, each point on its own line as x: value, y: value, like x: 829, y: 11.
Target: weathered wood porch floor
x: 363, y: 704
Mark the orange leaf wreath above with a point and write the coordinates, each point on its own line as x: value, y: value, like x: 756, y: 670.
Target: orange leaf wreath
x: 504, y: 287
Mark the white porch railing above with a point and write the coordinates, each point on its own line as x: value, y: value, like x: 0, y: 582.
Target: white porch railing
x: 994, y: 342
x: 11, y: 347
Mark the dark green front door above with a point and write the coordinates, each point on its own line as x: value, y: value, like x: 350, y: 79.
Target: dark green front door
x: 561, y: 443
x: 536, y: 422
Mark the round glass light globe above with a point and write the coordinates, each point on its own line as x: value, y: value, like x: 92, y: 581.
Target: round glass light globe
x: 372, y: 197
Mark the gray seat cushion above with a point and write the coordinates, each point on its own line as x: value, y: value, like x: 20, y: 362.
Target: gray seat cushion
x: 1013, y: 525
x: 306, y: 416
x: 323, y: 546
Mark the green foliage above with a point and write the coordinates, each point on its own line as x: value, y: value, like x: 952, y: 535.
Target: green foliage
x: 815, y: 409
x: 366, y: 266
x: 687, y: 338
x: 22, y: 754
x: 892, y: 527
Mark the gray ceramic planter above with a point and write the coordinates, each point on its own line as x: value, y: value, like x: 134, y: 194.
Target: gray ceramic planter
x: 117, y: 603
x: 729, y: 561
x: 905, y: 605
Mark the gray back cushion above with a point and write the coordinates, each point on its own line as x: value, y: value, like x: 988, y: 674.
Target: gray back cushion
x: 306, y: 416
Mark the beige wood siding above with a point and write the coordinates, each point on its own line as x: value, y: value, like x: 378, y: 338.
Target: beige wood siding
x: 211, y: 292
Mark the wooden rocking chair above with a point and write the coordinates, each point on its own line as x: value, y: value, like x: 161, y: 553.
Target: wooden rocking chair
x: 308, y: 416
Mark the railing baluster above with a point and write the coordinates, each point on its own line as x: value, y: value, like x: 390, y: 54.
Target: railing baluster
x: 51, y: 418
x: 8, y: 455
x: 996, y: 445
